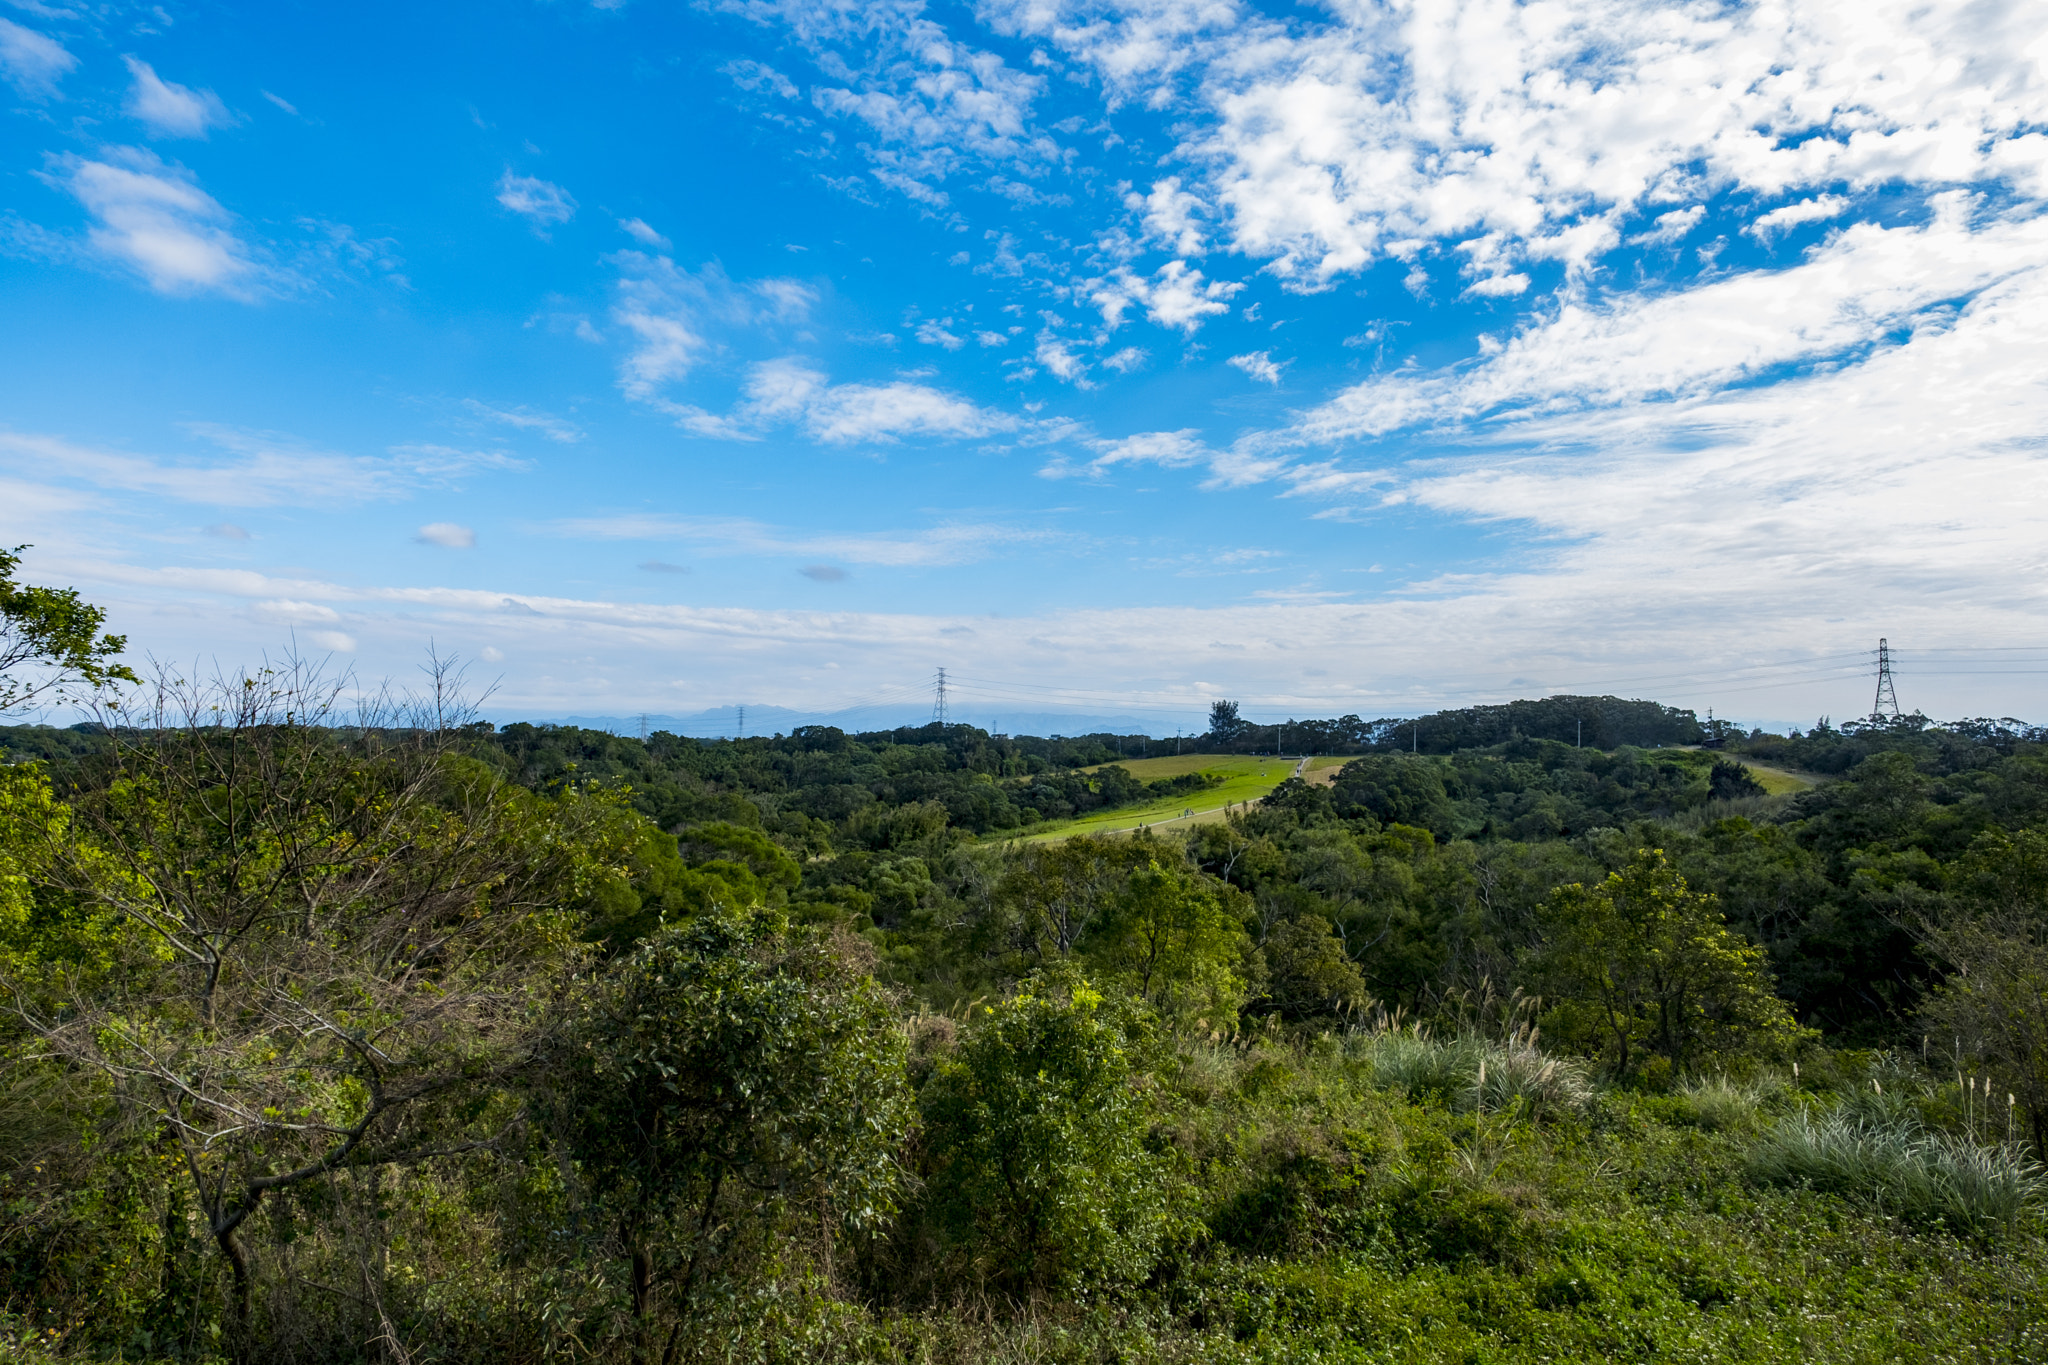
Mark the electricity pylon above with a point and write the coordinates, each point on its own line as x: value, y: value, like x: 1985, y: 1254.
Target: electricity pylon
x: 1887, y: 704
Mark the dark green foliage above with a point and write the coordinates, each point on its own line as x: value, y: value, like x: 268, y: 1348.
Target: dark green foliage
x: 1642, y: 967
x: 721, y: 1077
x: 646, y: 1018
x: 1041, y: 1172
x: 1597, y: 722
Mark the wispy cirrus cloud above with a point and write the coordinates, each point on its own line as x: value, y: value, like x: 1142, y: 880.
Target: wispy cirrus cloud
x: 792, y: 392
x: 153, y: 218
x: 1166, y: 449
x: 931, y: 106
x: 33, y: 63
x: 168, y: 109
x: 261, y: 469
x: 541, y: 202
x: 1259, y: 365
x: 523, y: 418
x: 1849, y: 294
x: 960, y: 543
x: 671, y: 312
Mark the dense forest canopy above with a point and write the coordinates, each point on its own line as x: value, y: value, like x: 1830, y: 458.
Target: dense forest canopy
x: 1528, y: 1030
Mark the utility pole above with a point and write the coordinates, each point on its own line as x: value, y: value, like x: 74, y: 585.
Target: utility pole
x: 643, y: 727
x: 939, y: 702
x: 1176, y: 741
x: 1887, y: 704
x: 743, y: 722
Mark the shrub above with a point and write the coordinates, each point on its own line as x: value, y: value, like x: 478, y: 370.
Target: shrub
x: 1921, y: 1176
x: 723, y: 1074
x: 1038, y: 1128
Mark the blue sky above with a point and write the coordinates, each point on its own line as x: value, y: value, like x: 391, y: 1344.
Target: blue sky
x: 1358, y: 357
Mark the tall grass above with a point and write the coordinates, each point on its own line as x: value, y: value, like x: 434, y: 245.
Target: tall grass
x: 1471, y: 1072
x: 1921, y: 1176
x: 1719, y: 1103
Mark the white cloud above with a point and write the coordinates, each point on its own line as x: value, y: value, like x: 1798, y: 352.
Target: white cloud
x: 961, y: 543
x: 1056, y: 353
x: 931, y: 106
x: 155, y: 219
x: 668, y: 312
x: 528, y: 419
x: 1259, y: 365
x: 170, y: 109
x: 932, y: 332
x: 637, y: 229
x: 1847, y: 295
x: 847, y: 413
x: 792, y: 392
x: 1541, y: 131
x: 290, y: 612
x: 1670, y: 227
x: 1168, y: 449
x: 1817, y: 209
x: 33, y: 63
x: 448, y: 535
x: 263, y: 470
x: 752, y: 75
x: 991, y: 338
x: 1172, y: 217
x: 1499, y: 286
x: 442, y: 464
x: 337, y: 641
x: 1174, y: 296
x: 547, y: 204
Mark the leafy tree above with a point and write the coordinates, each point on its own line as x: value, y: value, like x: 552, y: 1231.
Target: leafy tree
x: 1396, y: 790
x: 722, y: 1074
x: 1038, y: 1129
x: 1225, y: 724
x: 1307, y: 972
x: 671, y: 879
x: 1176, y: 941
x: 52, y: 631
x: 1732, y: 781
x: 1994, y: 999
x: 1052, y: 893
x: 1644, y: 964
x: 332, y: 946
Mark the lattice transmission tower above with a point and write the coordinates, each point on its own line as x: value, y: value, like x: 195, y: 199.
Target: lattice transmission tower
x: 939, y: 701
x: 1886, y: 707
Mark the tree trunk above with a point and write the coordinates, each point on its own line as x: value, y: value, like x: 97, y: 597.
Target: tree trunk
x: 239, y: 1290
x: 643, y: 1300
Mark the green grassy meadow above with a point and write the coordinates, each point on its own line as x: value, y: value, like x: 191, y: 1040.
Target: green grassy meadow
x: 1777, y: 781
x: 1246, y: 777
